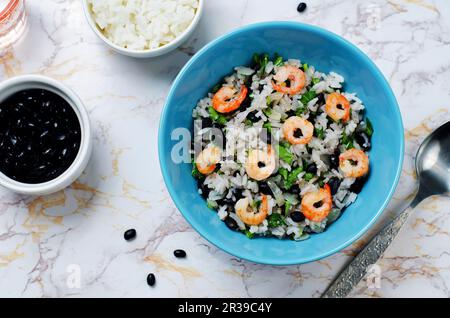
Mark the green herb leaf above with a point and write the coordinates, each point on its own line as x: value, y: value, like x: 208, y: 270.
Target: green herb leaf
x: 305, y: 67
x: 248, y: 122
x: 256, y: 58
x: 211, y: 204
x: 285, y: 154
x: 308, y: 176
x: 195, y: 173
x: 333, y: 215
x: 268, y: 126
x: 369, y: 128
x: 275, y: 220
x: 216, y: 117
x: 307, y: 97
x: 321, y: 182
x: 267, y: 111
x: 315, y: 80
x: 216, y: 88
x: 287, y: 207
x: 301, y: 110
x: 264, y: 59
x: 283, y: 172
x: 249, y: 234
x: 347, y: 141
x: 278, y: 61
x: 268, y: 100
x: 292, y: 178
x: 320, y: 133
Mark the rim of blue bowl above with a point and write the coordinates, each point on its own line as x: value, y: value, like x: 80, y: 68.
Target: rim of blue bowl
x: 304, y: 27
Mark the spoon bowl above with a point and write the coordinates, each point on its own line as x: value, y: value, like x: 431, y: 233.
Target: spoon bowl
x: 433, y: 163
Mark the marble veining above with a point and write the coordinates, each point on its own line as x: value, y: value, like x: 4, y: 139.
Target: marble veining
x: 70, y: 244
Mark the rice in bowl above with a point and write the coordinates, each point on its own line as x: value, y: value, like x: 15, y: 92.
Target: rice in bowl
x: 280, y: 149
x: 143, y: 24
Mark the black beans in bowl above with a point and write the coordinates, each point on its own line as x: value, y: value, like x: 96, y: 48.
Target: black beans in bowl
x: 40, y: 135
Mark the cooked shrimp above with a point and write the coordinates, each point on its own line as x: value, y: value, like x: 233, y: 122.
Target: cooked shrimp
x: 249, y: 215
x: 260, y: 164
x: 354, y: 163
x: 317, y: 205
x: 296, y: 77
x: 337, y: 107
x: 297, y: 130
x: 208, y: 159
x: 227, y: 99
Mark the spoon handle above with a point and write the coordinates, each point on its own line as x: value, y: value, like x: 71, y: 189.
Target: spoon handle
x: 357, y: 268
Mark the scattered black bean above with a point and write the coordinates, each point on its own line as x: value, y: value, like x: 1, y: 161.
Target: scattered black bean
x: 321, y: 99
x: 226, y: 201
x: 334, y: 159
x: 252, y: 116
x: 334, y: 184
x: 295, y: 189
x: 245, y: 103
x: 231, y: 223
x: 129, y: 234
x: 264, y: 188
x: 290, y: 113
x: 357, y: 186
x: 297, y: 216
x: 363, y: 141
x: 238, y: 193
x: 311, y: 168
x: 151, y: 279
x: 179, y: 253
x: 207, y: 122
x: 301, y: 7
x: 204, y: 188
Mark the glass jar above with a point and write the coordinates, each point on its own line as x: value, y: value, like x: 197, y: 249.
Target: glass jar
x: 13, y: 22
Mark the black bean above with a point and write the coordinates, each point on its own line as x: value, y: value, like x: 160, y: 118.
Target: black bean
x: 231, y: 224
x: 297, y: 216
x: 129, y: 234
x: 252, y: 116
x: 321, y: 99
x: 311, y: 168
x: 334, y: 160
x: 301, y: 7
x: 151, y: 279
x: 290, y: 113
x: 334, y: 184
x: 206, y: 122
x: 226, y: 201
x: 357, y: 186
x: 204, y: 188
x: 238, y: 193
x: 363, y: 141
x: 179, y: 253
x: 295, y: 189
x: 264, y: 188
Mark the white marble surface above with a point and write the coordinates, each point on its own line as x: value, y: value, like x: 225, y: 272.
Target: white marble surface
x: 46, y: 241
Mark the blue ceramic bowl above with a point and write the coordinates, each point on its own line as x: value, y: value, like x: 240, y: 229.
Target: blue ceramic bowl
x: 327, y: 52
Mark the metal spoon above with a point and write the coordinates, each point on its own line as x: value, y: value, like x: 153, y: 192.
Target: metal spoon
x: 433, y: 172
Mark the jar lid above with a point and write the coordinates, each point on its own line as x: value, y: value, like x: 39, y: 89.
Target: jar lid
x: 7, y: 10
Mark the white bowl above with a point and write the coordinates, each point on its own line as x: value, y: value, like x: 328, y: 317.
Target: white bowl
x: 13, y: 85
x: 150, y: 52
